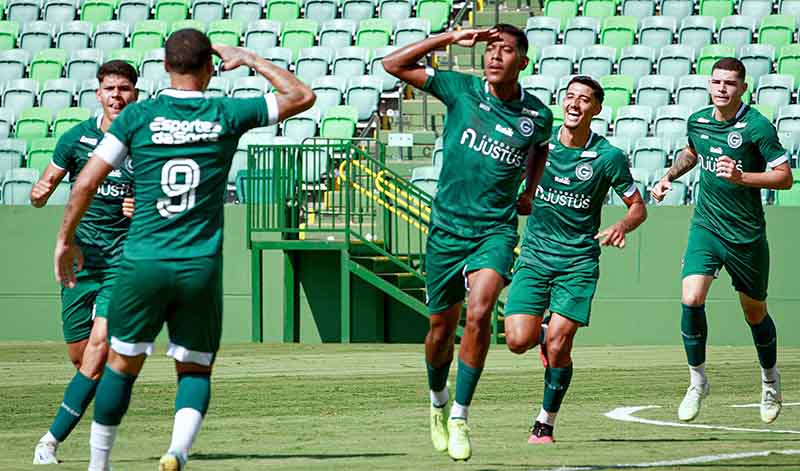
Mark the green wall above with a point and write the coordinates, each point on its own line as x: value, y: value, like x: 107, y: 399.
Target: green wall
x: 638, y: 299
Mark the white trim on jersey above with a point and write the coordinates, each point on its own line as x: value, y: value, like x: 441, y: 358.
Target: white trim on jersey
x: 182, y: 93
x: 131, y: 349
x: 782, y: 159
x: 111, y: 150
x: 272, y: 108
x: 630, y: 191
x: 99, y: 121
x: 185, y: 355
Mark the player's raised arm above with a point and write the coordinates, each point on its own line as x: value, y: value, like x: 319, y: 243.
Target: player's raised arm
x: 47, y: 183
x: 685, y: 161
x: 293, y: 96
x: 404, y: 63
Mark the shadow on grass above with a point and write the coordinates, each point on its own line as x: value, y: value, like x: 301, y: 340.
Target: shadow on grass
x: 283, y: 456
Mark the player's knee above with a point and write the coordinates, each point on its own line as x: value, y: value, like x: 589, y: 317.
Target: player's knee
x: 693, y: 298
x: 559, y: 344
x: 440, y: 337
x: 478, y: 320
x: 516, y: 344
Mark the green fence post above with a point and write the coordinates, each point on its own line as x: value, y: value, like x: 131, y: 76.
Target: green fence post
x: 289, y: 298
x: 345, y: 296
x: 257, y: 323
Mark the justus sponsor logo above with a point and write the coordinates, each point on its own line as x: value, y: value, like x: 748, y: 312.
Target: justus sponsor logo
x: 493, y: 148
x: 565, y: 199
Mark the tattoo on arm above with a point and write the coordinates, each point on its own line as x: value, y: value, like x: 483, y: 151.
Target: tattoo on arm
x: 685, y: 161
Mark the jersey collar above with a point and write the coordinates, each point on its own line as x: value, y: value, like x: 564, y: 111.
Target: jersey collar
x: 182, y: 93
x: 588, y: 144
x: 486, y: 90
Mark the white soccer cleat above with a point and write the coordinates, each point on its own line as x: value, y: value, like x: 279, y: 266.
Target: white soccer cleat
x: 45, y: 453
x: 771, y: 401
x: 690, y: 405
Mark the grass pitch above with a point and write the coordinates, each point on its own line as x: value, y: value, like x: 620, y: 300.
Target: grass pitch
x: 365, y: 407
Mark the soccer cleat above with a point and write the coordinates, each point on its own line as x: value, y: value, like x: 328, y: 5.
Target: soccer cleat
x: 541, y: 434
x: 690, y: 405
x: 439, y: 435
x: 459, y: 446
x: 771, y: 401
x: 172, y: 461
x: 45, y: 453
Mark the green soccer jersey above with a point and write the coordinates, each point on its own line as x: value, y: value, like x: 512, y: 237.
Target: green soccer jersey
x: 181, y: 145
x: 732, y: 211
x: 485, y: 143
x: 101, y: 233
x: 570, y: 197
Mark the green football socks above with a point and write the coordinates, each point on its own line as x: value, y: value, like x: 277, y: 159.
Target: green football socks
x: 79, y: 393
x: 694, y: 331
x: 466, y: 382
x: 113, y: 397
x: 437, y: 376
x: 556, y: 383
x: 765, y: 339
x: 194, y: 392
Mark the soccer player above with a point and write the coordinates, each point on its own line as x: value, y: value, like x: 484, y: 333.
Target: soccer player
x: 100, y: 236
x: 495, y: 132
x: 739, y: 153
x: 181, y: 145
x: 558, y: 266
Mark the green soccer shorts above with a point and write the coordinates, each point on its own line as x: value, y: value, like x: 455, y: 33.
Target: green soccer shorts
x: 747, y: 264
x: 450, y: 258
x: 184, y: 294
x: 563, y: 285
x: 87, y: 300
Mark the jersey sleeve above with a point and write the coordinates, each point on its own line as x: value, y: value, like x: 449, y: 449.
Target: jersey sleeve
x: 766, y: 138
x: 63, y: 154
x: 542, y: 138
x: 249, y: 113
x: 620, y: 176
x: 113, y: 148
x: 446, y: 85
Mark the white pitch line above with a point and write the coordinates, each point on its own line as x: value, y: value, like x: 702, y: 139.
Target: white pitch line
x: 785, y: 404
x: 680, y: 462
x: 625, y: 414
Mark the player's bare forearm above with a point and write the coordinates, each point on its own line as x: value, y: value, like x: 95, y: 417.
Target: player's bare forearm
x: 83, y: 191
x: 43, y: 188
x: 637, y: 212
x: 685, y: 161
x: 779, y: 178
x: 293, y: 97
x: 534, y: 168
x: 404, y: 63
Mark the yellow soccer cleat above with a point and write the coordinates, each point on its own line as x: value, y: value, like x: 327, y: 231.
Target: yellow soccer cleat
x: 459, y: 446
x: 439, y: 434
x: 171, y: 461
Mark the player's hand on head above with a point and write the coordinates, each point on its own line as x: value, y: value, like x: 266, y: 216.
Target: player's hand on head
x: 613, y: 236
x: 68, y: 257
x: 660, y: 189
x: 726, y: 168
x: 232, y: 57
x: 127, y: 207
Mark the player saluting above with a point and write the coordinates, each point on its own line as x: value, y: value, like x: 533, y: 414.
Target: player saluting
x: 494, y: 132
x: 100, y: 235
x: 181, y: 145
x: 558, y: 267
x: 739, y: 153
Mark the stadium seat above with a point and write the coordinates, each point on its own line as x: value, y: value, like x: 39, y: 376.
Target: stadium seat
x: 364, y: 94
x: 321, y: 10
x: 36, y: 36
x: 650, y: 153
x: 279, y: 56
x: 329, y: 91
x: 218, y: 87
x: 670, y: 120
x: 337, y: 33
x: 16, y: 187
x: 227, y: 32
x: 149, y: 34
x: 561, y: 89
x: 350, y: 61
x: 789, y: 7
x: 12, y: 155
x: 675, y: 60
x: 655, y: 90
x: 58, y: 93
x: 244, y: 87
x: 597, y: 61
x: 23, y: 11
x: 33, y: 123
x: 556, y: 61
x: 789, y: 61
x: 283, y: 10
x: 678, y: 9
x: 110, y: 35
x: 618, y: 90
x: 7, y: 120
x: 97, y: 11
x: 41, y: 153
x: 533, y: 59
x: 540, y: 86
x: 153, y: 65
x: 13, y: 64
x: 233, y: 74
x: 543, y: 30
x: 788, y: 119
x: 357, y: 10
x: 775, y: 90
x: 87, y: 97
x: 599, y: 8
x: 426, y: 179
x: 313, y: 62
x: 711, y: 54
x: 187, y: 24
x: 581, y: 31
x: 246, y: 10
x: 633, y: 121
x: 20, y: 94
x: 638, y: 8
x: 299, y: 34
x: 395, y: 10
x: 84, y: 63
x: 74, y: 35
x: 390, y: 82
x: 67, y: 118
x: 737, y: 30
x: 207, y: 11
x: 436, y: 11
x: 9, y: 30
x: 618, y: 31
x: 717, y: 9
x: 58, y: 12
x: 374, y: 32
x: 561, y: 9
x: 657, y: 31
x: 692, y: 91
x: 131, y: 12
x: 558, y: 115
x: 602, y: 121
x: 776, y: 30
x: 302, y: 126
x: 146, y: 88
x: 757, y: 59
x: 410, y: 30
x: 636, y: 62
x: 697, y: 31
x: 755, y: 8
x: 262, y: 34
x: 129, y: 55
x: 339, y: 122
x: 766, y: 110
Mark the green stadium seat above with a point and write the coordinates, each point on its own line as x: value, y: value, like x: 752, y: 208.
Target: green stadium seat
x: 373, y: 33
x: 558, y: 115
x: 67, y: 118
x: 23, y: 11
x: 789, y: 61
x: 358, y: 10
x: 789, y: 197
x: 41, y: 153
x: 36, y: 36
x: 59, y: 12
x: 541, y: 86
x: 16, y: 187
x: 207, y: 11
x: 650, y: 153
x: 436, y: 11
x: 657, y: 31
x: 737, y: 30
x: 676, y: 60
x: 636, y: 62
x: 692, y: 91
x: 718, y: 9
x: 97, y: 11
x: 633, y: 121
x: 618, y: 90
x: 364, y: 94
x: 329, y: 91
x: 678, y: 9
x: 395, y: 10
x: 597, y: 61
x: 776, y: 30
x: 48, y: 64
x: 711, y: 54
x: 618, y: 31
x: 283, y: 10
x: 337, y: 33
x: 13, y: 64
x: 543, y: 30
x: 74, y: 35
x: 299, y: 34
x: 12, y: 155
x: 129, y: 55
x: 149, y: 34
x: 313, y: 62
x: 557, y: 60
x: 33, y: 123
x: 410, y: 30
x: 599, y: 8
x: 638, y: 8
x: 697, y: 31
x: 133, y: 11
x: 110, y: 35
x: 58, y: 93
x: 581, y: 32
x: 170, y: 11
x: 187, y: 24
x: 390, y: 82
x: 757, y: 59
x: 321, y: 10
x: 655, y: 90
x: 8, y: 34
x: 227, y: 32
x: 350, y: 61
x: 533, y: 59
x: 339, y: 122
x: 561, y: 9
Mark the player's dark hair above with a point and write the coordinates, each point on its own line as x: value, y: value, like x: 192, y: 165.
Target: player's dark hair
x: 117, y: 67
x: 732, y: 64
x: 518, y: 34
x: 597, y: 89
x: 187, y: 51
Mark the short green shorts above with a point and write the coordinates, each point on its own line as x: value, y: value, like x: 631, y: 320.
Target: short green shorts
x: 184, y: 294
x: 747, y: 264
x: 87, y: 300
x: 449, y: 258
x: 561, y: 284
